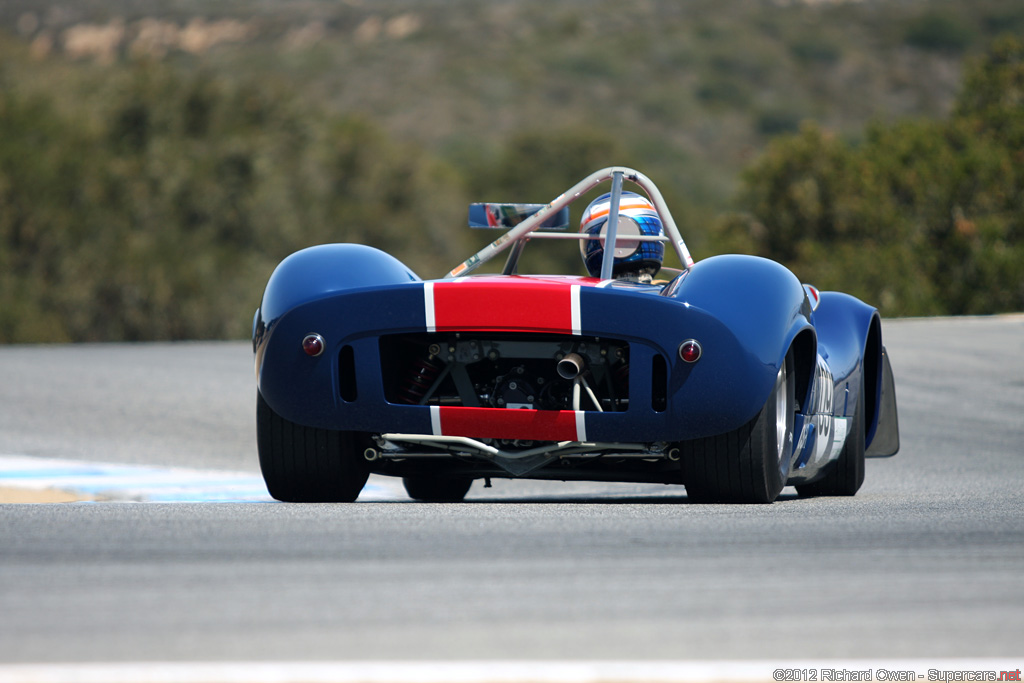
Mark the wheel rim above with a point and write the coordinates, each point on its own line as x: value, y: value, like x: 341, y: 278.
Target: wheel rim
x: 781, y: 414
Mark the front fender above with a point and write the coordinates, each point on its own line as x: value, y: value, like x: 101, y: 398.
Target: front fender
x: 851, y: 341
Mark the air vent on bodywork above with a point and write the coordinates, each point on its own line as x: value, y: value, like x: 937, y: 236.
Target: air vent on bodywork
x: 659, y: 383
x: 347, y: 373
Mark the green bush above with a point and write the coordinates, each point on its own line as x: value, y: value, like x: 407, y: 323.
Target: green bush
x: 777, y: 121
x: 939, y: 31
x: 921, y: 217
x: 815, y: 49
x: 165, y: 221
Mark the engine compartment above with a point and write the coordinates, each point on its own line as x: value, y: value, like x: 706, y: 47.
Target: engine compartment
x: 540, y: 372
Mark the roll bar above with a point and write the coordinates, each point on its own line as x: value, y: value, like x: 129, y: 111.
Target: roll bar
x: 614, y: 173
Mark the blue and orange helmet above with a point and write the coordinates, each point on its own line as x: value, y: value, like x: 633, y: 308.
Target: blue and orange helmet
x: 637, y: 216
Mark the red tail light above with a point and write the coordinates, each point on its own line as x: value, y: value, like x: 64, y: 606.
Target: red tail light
x: 690, y: 351
x: 313, y: 345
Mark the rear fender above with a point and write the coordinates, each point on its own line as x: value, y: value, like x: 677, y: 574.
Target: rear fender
x: 765, y: 307
x: 318, y: 272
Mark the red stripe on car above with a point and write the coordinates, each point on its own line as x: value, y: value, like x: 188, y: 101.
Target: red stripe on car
x: 495, y: 304
x: 505, y: 423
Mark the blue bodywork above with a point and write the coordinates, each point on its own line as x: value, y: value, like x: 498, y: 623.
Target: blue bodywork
x: 402, y: 361
x: 747, y: 312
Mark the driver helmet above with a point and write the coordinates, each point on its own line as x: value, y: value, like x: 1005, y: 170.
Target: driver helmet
x: 633, y: 258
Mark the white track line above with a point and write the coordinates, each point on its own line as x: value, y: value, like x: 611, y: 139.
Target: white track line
x: 755, y: 671
x: 118, y: 482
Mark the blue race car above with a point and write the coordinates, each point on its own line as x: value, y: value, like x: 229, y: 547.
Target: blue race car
x: 728, y: 377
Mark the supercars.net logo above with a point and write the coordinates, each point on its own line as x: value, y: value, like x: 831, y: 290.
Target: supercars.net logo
x: 825, y: 674
x: 936, y: 675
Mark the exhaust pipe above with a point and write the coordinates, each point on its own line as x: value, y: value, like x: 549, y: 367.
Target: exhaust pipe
x: 570, y: 367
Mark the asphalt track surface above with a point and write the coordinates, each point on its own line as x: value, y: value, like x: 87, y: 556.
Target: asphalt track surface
x: 927, y: 561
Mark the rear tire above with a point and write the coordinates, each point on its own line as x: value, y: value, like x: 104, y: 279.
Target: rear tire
x: 847, y: 472
x: 437, y: 489
x: 307, y: 465
x: 750, y: 464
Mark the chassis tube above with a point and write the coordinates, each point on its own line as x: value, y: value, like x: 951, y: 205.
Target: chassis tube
x: 536, y: 220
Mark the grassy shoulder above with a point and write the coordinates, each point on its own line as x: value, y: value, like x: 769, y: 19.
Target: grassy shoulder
x: 9, y: 494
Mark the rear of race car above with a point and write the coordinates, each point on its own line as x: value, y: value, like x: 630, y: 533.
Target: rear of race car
x: 719, y: 379
x: 559, y: 377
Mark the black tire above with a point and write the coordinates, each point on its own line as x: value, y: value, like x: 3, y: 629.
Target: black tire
x: 437, y: 489
x: 307, y: 465
x: 847, y: 472
x: 750, y: 464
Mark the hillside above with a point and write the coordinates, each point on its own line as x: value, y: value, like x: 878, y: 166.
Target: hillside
x: 694, y: 86
x: 242, y: 130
